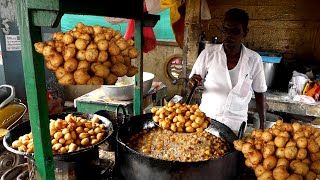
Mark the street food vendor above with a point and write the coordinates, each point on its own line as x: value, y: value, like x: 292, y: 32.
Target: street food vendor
x: 229, y: 73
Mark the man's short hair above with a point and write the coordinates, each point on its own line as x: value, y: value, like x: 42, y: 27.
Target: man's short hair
x: 237, y: 15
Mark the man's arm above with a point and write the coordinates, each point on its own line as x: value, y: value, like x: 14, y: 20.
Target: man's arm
x: 261, y: 107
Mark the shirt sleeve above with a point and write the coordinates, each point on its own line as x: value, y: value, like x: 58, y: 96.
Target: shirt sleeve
x: 199, y: 66
x: 259, y: 81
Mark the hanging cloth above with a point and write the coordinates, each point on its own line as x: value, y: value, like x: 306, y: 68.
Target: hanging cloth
x: 149, y: 38
x: 177, y: 16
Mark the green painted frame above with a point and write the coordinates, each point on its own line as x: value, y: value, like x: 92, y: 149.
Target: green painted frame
x: 31, y: 15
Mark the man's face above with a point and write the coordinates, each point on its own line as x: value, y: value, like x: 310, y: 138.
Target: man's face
x: 233, y: 33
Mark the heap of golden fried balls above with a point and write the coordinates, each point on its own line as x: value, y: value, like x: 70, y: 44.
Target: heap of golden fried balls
x: 285, y: 151
x: 180, y: 117
x: 67, y: 135
x: 89, y: 55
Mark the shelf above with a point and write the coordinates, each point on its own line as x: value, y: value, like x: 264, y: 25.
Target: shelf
x: 44, y: 14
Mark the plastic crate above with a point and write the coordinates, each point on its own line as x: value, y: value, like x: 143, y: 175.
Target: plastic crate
x: 269, y: 57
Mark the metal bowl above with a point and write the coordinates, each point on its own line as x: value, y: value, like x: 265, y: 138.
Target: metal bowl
x: 124, y: 88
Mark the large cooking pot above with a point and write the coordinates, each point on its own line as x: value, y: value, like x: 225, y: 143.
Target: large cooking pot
x: 78, y: 164
x: 136, y: 166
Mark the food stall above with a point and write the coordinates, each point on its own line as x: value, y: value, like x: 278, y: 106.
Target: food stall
x: 34, y: 14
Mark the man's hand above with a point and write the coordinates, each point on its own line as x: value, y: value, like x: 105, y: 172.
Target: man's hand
x: 261, y: 106
x: 196, y: 78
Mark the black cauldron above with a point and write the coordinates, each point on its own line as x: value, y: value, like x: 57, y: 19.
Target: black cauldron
x: 133, y: 165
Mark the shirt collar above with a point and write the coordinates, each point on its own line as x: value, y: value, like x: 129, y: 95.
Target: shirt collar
x: 244, y: 52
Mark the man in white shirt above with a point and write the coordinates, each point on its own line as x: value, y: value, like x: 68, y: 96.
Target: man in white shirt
x: 229, y: 73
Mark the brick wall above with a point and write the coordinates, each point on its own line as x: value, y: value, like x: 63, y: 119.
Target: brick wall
x: 156, y: 61
x: 291, y: 27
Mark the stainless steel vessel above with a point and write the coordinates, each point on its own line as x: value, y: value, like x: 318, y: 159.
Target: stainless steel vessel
x: 270, y: 72
x: 123, y: 89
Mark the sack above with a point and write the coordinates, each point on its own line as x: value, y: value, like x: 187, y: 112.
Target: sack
x: 297, y: 83
x: 149, y: 39
x: 205, y: 11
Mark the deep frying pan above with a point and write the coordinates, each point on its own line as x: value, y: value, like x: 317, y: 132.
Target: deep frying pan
x: 131, y: 164
x: 135, y: 165
x: 24, y: 128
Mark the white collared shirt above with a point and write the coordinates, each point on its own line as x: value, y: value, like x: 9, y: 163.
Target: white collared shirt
x: 220, y: 100
x: 234, y: 73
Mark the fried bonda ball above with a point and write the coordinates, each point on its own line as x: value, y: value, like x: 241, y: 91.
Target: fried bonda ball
x: 280, y: 173
x: 70, y: 65
x: 60, y: 72
x: 67, y: 79
x: 81, y: 55
x: 84, y: 65
x: 47, y: 50
x: 101, y: 71
x: 57, y: 36
x: 81, y: 44
x: 92, y: 55
x: 113, y: 49
x: 117, y: 59
x: 132, y: 70
x: 69, y: 52
x: 95, y: 81
x: 108, y: 64
x: 259, y: 170
x: 270, y: 162
x: 238, y: 144
x: 81, y: 76
x: 301, y: 168
x: 103, y: 44
x: 267, y: 175
x: 119, y: 69
x: 111, y: 79
x: 50, y: 67
x: 103, y: 56
x: 39, y: 46
x: 133, y: 53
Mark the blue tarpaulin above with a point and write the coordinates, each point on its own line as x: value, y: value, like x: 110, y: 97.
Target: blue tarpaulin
x: 162, y: 29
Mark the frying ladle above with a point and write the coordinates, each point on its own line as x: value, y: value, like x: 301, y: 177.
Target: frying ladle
x: 194, y: 87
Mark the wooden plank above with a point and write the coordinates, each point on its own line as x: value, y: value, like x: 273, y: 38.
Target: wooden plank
x: 43, y: 18
x: 191, y: 32
x: 34, y: 75
x: 52, y: 5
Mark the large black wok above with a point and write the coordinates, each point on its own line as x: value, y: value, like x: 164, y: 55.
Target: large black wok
x: 79, y: 164
x: 24, y: 128
x: 137, y: 166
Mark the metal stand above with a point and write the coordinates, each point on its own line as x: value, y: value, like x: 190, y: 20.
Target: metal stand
x: 32, y: 14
